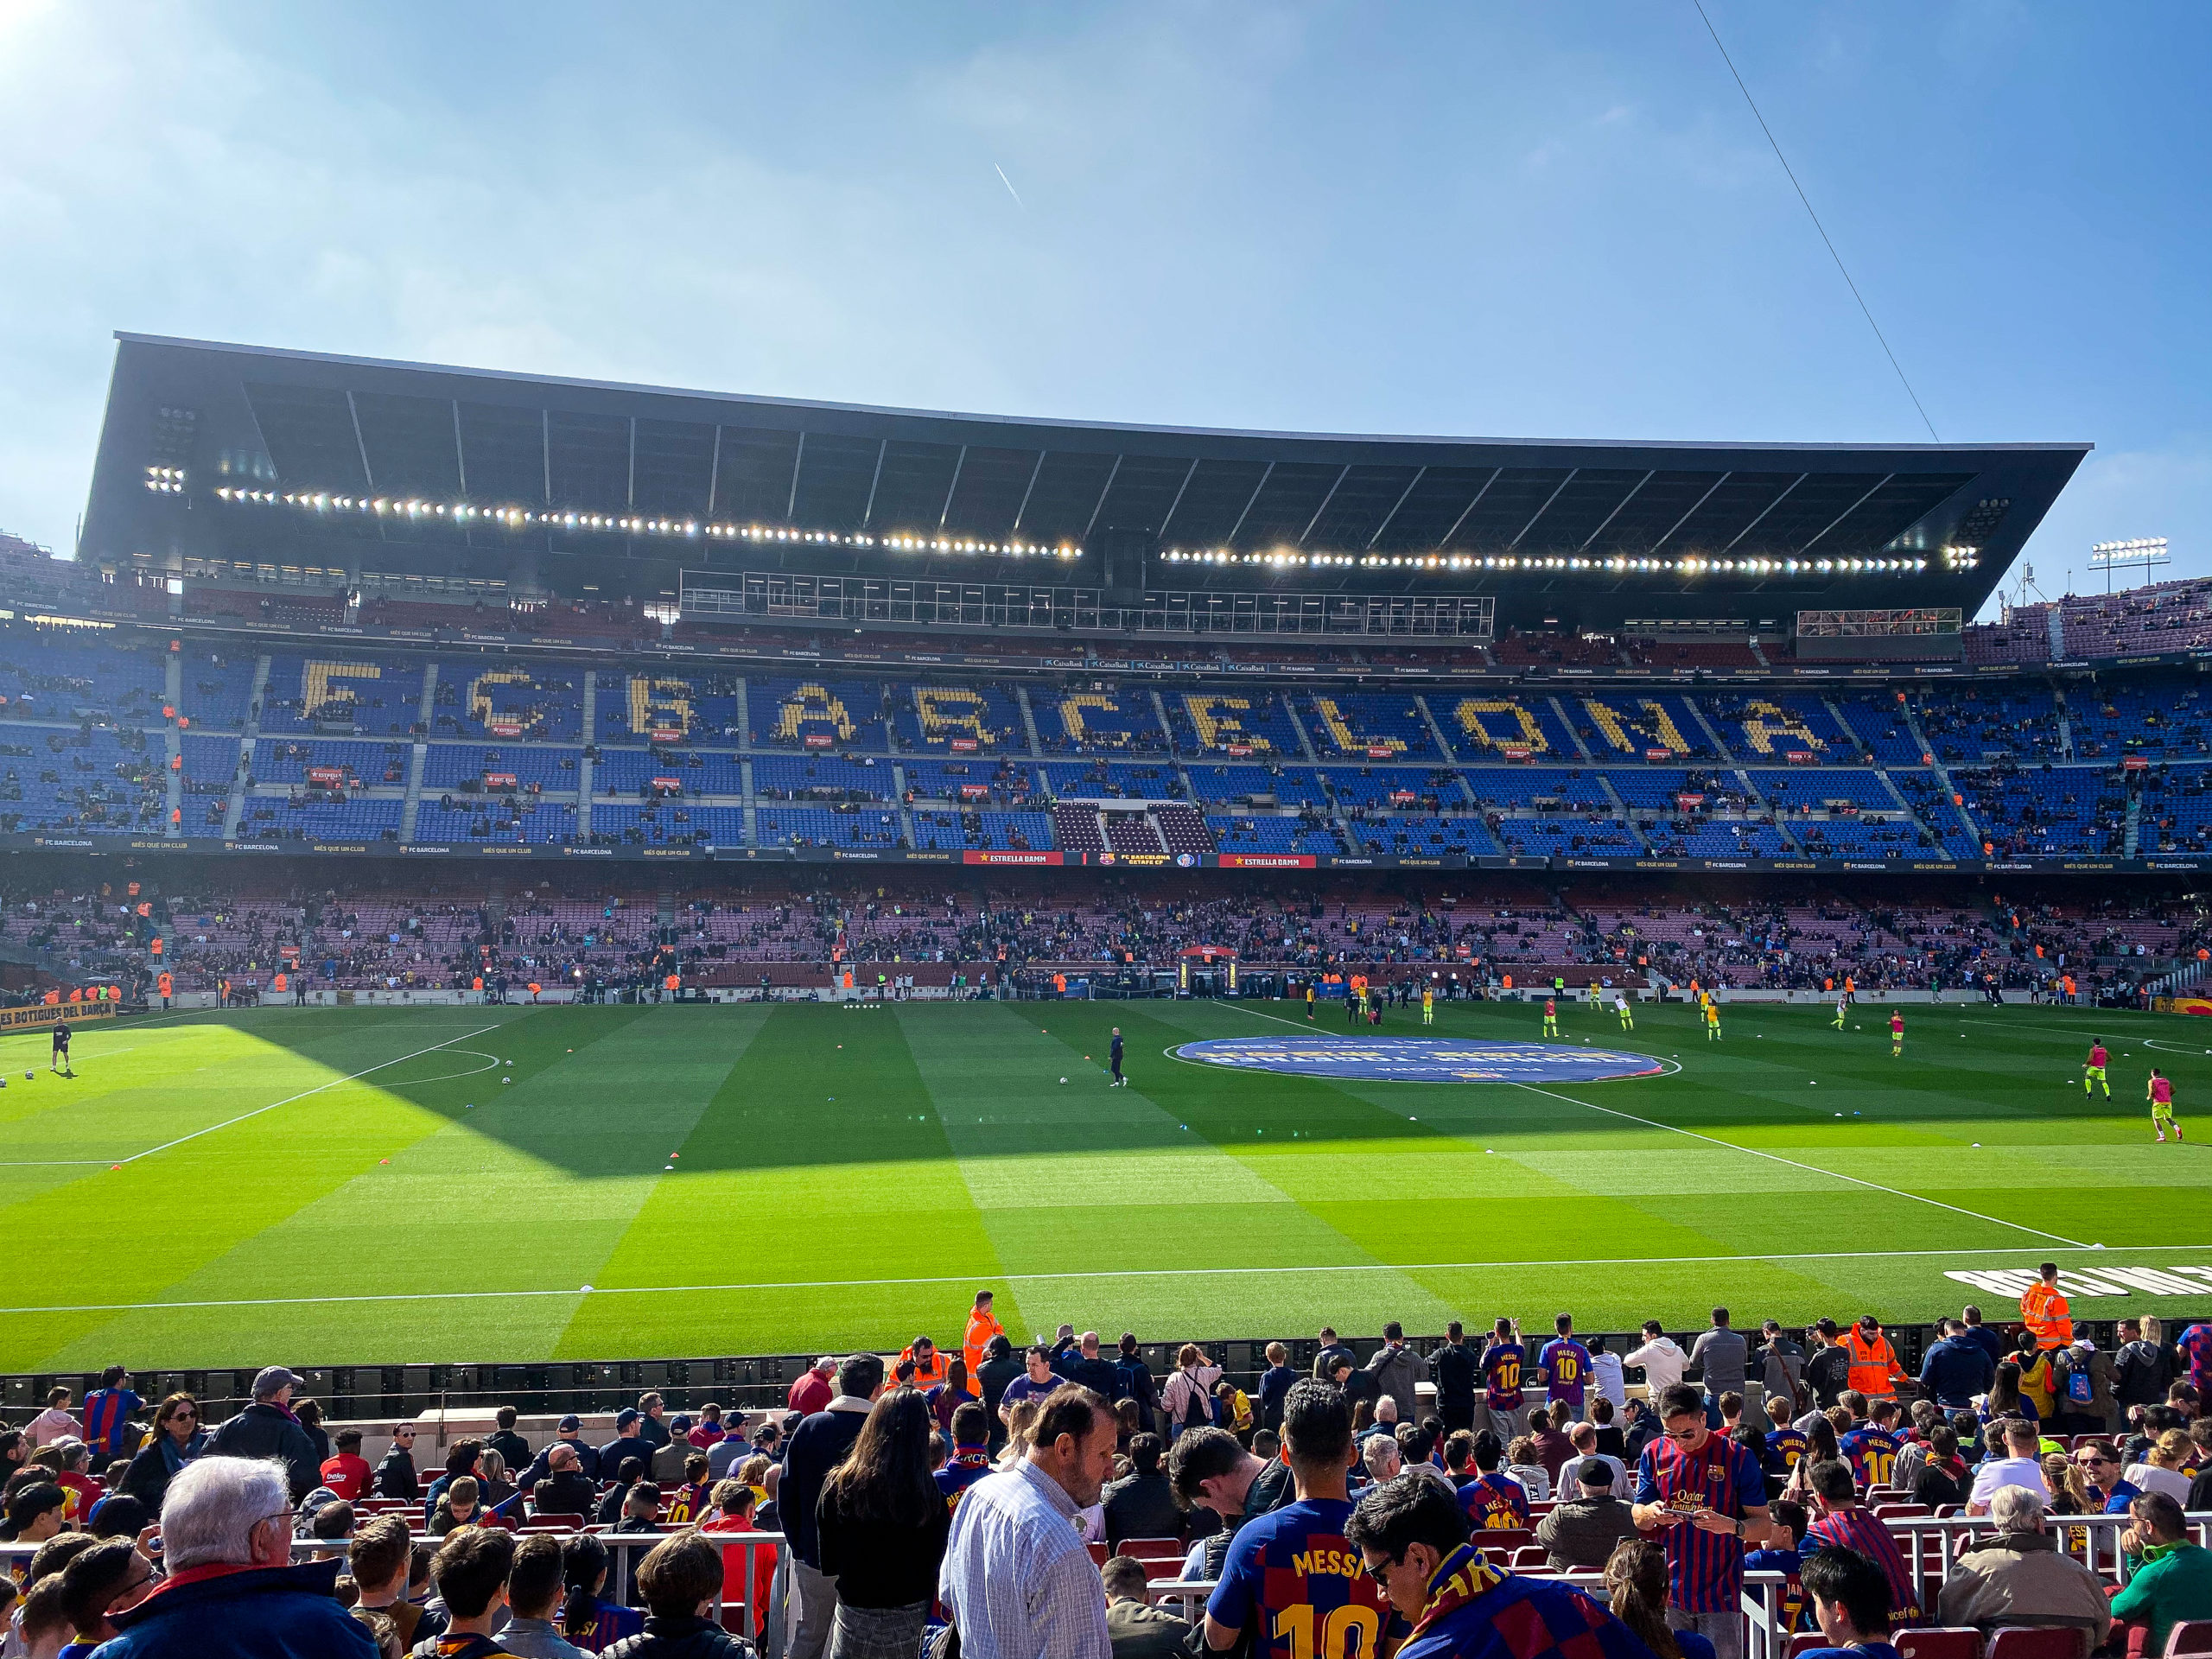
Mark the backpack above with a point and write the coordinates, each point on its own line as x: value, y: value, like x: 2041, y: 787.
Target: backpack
x: 2079, y: 1388
x: 1197, y: 1410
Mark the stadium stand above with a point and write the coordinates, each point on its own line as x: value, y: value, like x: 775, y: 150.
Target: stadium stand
x: 959, y: 718
x: 1098, y: 722
x: 810, y: 713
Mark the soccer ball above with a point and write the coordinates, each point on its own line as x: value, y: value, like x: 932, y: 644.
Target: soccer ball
x: 1063, y: 1079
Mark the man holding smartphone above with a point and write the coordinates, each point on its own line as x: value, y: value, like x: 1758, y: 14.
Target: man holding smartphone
x: 1706, y: 1495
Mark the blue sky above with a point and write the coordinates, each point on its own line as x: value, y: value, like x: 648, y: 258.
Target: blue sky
x: 1493, y: 220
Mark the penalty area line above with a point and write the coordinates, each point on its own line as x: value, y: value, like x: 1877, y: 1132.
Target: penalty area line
x: 354, y: 1077
x: 1810, y: 1169
x: 2102, y: 1252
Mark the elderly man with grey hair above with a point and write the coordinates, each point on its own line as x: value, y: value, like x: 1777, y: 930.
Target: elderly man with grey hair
x: 2021, y: 1576
x: 266, y: 1428
x: 1383, y: 1461
x: 231, y: 1593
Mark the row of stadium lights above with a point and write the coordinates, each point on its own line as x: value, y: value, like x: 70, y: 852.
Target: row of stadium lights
x: 165, y: 480
x: 517, y: 517
x: 1955, y: 558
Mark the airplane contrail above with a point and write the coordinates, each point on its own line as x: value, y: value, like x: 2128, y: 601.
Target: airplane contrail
x: 1010, y: 190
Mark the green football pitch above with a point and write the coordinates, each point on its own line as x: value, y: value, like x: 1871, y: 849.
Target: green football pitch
x: 470, y: 1184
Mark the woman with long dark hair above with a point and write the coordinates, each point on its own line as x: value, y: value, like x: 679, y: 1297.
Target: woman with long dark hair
x: 882, y: 1523
x: 585, y: 1619
x: 1636, y: 1587
x: 177, y: 1438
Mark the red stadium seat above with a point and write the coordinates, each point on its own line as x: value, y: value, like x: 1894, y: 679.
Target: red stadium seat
x: 1805, y: 1642
x: 2030, y: 1642
x: 1097, y: 1554
x: 1153, y: 1549
x: 1938, y: 1642
x: 1531, y: 1558
x: 2190, y: 1636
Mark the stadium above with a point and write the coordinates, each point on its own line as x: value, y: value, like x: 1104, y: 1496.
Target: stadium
x: 563, y: 891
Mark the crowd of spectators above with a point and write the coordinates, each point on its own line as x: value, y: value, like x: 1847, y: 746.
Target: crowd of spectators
x: 1041, y: 1500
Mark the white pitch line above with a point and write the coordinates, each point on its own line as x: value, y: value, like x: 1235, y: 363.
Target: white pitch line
x: 73, y: 1163
x: 1753, y: 1151
x: 2100, y: 1251
x: 1811, y: 1169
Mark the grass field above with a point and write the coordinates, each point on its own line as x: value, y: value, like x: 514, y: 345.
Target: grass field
x: 356, y: 1185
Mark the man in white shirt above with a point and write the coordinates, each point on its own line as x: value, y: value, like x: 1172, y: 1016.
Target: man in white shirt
x: 2021, y: 1467
x: 1605, y: 1374
x: 1016, y: 1577
x: 1662, y: 1360
x: 1584, y: 1438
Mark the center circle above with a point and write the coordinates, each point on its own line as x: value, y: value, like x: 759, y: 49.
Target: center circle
x: 1420, y: 1059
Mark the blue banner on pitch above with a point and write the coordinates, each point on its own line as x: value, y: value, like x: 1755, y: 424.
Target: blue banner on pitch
x: 1420, y: 1059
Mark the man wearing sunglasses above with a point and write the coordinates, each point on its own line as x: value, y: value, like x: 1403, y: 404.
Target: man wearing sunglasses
x: 1706, y: 1495
x: 1413, y: 1541
x: 2099, y: 1463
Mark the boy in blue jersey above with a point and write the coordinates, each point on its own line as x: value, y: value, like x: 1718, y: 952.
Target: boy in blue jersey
x: 971, y: 1452
x: 1565, y: 1363
x: 1290, y: 1578
x: 1493, y: 1500
x: 1785, y: 1442
x: 1706, y: 1495
x: 1776, y: 1558
x: 1845, y: 1523
x: 1871, y: 1446
x: 1851, y: 1602
x: 1504, y: 1361
x: 1413, y: 1540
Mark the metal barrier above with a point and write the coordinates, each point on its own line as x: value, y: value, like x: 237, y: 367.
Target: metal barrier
x: 2092, y: 1539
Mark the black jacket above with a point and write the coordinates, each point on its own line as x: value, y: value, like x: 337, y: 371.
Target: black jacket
x: 679, y: 1638
x: 816, y: 1445
x: 396, y: 1476
x: 565, y: 1493
x: 587, y: 1460
x: 616, y: 1453
x: 511, y: 1446
x: 2141, y: 1373
x: 1141, y: 1506
x: 266, y: 1431
x: 1453, y: 1367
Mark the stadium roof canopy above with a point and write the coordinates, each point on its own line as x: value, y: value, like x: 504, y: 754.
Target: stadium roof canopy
x: 567, y: 482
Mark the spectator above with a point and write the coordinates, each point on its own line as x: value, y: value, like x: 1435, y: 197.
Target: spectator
x: 590, y: 1623
x: 380, y: 1559
x: 504, y: 1441
x: 108, y: 1411
x: 1290, y: 1558
x: 1328, y: 1351
x: 680, y: 1578
x: 1662, y: 1358
x: 121, y: 1515
x: 1635, y: 1587
x: 2038, y: 1375
x: 1956, y: 1368
x: 455, y: 1507
x: 1705, y: 1494
x: 971, y: 1457
x: 1828, y: 1368
x: 1136, y: 1629
x: 1724, y: 1356
x: 1584, y: 1439
x: 2097, y: 1461
x: 55, y: 1422
x: 1844, y: 1523
x: 1413, y: 1538
x: 632, y: 1508
x: 235, y: 1514
x: 1091, y: 1369
x: 673, y: 1455
x: 2163, y: 1470
x: 2007, y: 1398
x: 102, y: 1582
x: 2045, y: 1313
x: 734, y: 1510
x: 568, y: 1432
x: 1940, y: 1478
x: 1016, y: 1577
x: 629, y: 1442
x: 1505, y: 1373
x: 462, y: 1458
x: 2022, y: 1465
x: 1781, y: 1372
x: 36, y: 1511
x: 1851, y: 1604
x: 812, y: 1392
x: 1453, y: 1368
x: 882, y: 1525
x: 1133, y: 1380
x: 2170, y: 1578
x: 563, y: 1490
x: 1523, y: 1468
x: 176, y: 1439
x: 929, y: 1366
x: 346, y: 1472
x: 1380, y: 1456
x: 1209, y: 1470
x: 999, y: 1369
x: 709, y: 1432
x: 308, y: 1414
x: 72, y: 1463
x: 267, y: 1429
x: 1493, y: 1501
x: 2142, y: 1370
x: 470, y: 1570
x: 2021, y: 1577
x: 2081, y: 1381
x: 1395, y: 1371
x: 396, y: 1476
x: 1580, y: 1534
x: 653, y: 1426
x: 1554, y: 1449
x: 494, y: 1488
x: 533, y: 1594
x: 40, y: 1619
x: 1786, y: 1531
x: 1142, y: 1504
x: 945, y: 1397
x: 1991, y: 1342
x: 1275, y: 1380
x: 1187, y: 1398
x: 817, y: 1445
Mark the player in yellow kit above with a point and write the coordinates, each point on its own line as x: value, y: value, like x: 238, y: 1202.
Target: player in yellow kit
x: 1428, y: 1005
x: 1551, y: 1017
x: 1712, y: 1021
x: 1897, y: 1034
